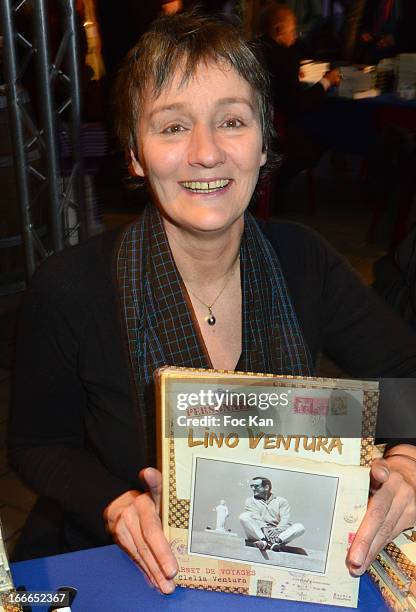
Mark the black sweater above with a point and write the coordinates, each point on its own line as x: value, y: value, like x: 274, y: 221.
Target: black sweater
x: 71, y: 436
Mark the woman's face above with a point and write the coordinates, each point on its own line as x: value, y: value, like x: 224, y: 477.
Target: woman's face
x: 200, y: 148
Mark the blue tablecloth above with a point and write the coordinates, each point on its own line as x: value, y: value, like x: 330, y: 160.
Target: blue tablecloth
x: 354, y: 126
x: 107, y: 580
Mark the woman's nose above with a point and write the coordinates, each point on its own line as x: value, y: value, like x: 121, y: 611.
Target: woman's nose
x: 205, y: 148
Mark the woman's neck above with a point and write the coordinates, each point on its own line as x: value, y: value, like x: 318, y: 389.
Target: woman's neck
x: 204, y: 258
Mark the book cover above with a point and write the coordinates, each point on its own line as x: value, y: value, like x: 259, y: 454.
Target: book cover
x: 265, y: 480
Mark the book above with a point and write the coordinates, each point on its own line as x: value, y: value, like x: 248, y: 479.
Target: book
x: 406, y: 71
x: 367, y: 93
x: 387, y: 588
x: 358, y: 80
x: 403, y: 551
x: 312, y: 71
x: 404, y: 583
x: 394, y: 572
x: 265, y: 480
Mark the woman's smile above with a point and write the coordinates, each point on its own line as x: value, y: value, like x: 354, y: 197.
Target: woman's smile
x: 207, y: 186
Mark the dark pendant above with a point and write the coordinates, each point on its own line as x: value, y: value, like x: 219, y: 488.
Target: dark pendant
x: 210, y: 319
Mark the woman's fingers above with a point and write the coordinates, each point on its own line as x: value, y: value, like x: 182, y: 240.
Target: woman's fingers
x: 379, y: 474
x: 133, y: 520
x: 139, y: 532
x: 377, y: 510
x: 373, y: 528
x: 152, y: 479
x: 396, y: 521
x: 124, y: 539
x: 158, y: 578
x: 151, y: 528
x: 145, y: 556
x: 391, y: 509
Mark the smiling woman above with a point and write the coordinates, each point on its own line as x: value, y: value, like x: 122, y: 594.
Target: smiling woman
x: 201, y: 154
x: 193, y: 282
x: 194, y: 113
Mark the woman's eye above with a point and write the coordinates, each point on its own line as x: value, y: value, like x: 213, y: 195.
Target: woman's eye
x: 232, y: 123
x: 173, y: 129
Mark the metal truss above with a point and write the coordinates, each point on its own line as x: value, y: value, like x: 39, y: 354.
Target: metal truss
x: 51, y: 196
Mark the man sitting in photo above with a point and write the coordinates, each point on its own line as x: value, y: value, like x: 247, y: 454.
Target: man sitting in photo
x: 266, y: 518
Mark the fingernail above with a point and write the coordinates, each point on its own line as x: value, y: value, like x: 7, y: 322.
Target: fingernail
x: 358, y: 559
x: 357, y: 571
x: 169, y: 570
x: 168, y: 587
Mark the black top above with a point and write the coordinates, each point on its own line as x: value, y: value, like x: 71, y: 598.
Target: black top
x: 71, y: 437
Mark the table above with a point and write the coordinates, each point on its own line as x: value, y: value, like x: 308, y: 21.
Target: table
x: 107, y: 581
x: 354, y: 126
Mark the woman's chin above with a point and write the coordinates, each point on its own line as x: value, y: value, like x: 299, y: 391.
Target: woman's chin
x: 213, y: 220
x: 205, y: 218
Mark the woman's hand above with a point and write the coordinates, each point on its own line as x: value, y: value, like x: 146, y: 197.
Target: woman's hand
x: 134, y: 523
x: 391, y: 507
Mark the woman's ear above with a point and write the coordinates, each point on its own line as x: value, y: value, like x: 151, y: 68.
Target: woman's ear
x: 135, y: 167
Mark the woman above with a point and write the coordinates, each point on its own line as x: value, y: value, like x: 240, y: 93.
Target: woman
x: 200, y: 285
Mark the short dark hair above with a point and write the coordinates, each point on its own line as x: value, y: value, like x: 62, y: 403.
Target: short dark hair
x: 188, y: 39
x: 264, y: 481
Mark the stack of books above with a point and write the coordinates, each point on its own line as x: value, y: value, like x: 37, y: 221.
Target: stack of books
x: 358, y: 82
x: 386, y: 69
x: 394, y: 572
x: 406, y: 75
x: 311, y: 72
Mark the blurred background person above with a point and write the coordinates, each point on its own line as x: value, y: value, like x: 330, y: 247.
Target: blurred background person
x: 308, y: 14
x: 353, y: 13
x: 379, y: 30
x: 282, y: 57
x: 310, y: 21
x: 170, y: 7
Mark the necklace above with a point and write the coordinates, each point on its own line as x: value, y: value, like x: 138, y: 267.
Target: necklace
x: 210, y: 318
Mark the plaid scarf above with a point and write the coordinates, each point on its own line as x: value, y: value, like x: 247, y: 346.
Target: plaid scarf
x: 160, y: 328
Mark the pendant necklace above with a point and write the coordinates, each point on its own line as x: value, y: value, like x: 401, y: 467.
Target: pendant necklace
x: 210, y: 318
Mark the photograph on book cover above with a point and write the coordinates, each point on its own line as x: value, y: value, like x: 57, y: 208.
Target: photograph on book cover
x: 226, y: 539
x: 261, y: 515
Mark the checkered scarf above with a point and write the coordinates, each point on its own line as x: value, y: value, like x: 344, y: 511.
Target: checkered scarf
x: 159, y: 325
